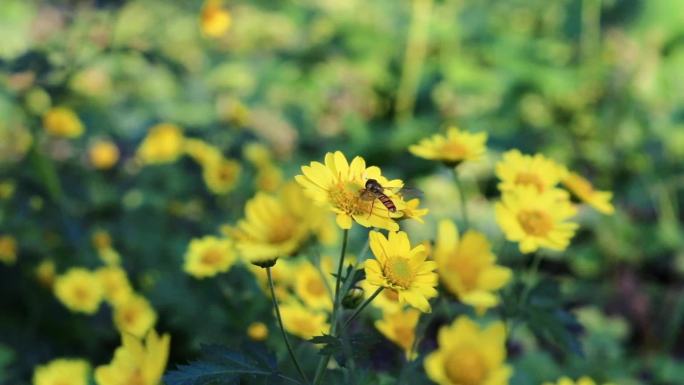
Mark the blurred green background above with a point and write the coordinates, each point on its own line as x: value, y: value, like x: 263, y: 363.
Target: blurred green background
x: 597, y: 85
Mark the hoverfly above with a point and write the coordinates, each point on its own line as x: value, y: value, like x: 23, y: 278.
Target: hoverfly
x: 374, y: 190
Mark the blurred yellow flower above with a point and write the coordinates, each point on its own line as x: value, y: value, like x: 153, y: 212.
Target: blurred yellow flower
x: 387, y: 300
x: 582, y: 188
x: 115, y: 284
x: 303, y: 322
x: 62, y: 371
x: 79, y: 290
x: 469, y: 355
x: 276, y: 226
x: 257, y: 331
x: 339, y: 185
x: 136, y: 362
x: 257, y: 154
x: 400, y: 328
x: 103, y: 154
x: 221, y: 176
x: 269, y: 178
x: 45, y: 273
x: 515, y: 169
x: 535, y: 219
x: 399, y: 267
x: 62, y: 121
x: 457, y: 146
x: 134, y: 315
x: 8, y: 249
x: 7, y: 188
x: 214, y: 20
x: 569, y: 381
x: 311, y: 287
x: 201, y: 152
x: 411, y: 211
x: 101, y: 239
x: 209, y: 256
x: 467, y: 266
x: 163, y: 144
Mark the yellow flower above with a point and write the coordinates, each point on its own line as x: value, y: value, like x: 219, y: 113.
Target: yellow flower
x: 134, y: 315
x: 201, y: 152
x: 582, y: 188
x: 221, y: 175
x: 387, y: 300
x: 311, y: 287
x: 516, y: 169
x: 536, y: 220
x: 302, y: 322
x: 400, y: 328
x: 398, y: 267
x: 339, y: 186
x: 467, y: 266
x: 103, y: 154
x: 135, y: 362
x: 257, y: 154
x: 257, y: 331
x: 209, y: 256
x: 411, y: 211
x: 7, y: 188
x: 568, y: 381
x: 275, y: 227
x: 214, y: 20
x: 8, y: 249
x: 453, y: 148
x: 268, y: 178
x: 62, y: 121
x: 101, y: 239
x: 45, y: 272
x: 62, y: 371
x: 469, y: 355
x: 115, y: 284
x: 79, y: 290
x: 163, y: 144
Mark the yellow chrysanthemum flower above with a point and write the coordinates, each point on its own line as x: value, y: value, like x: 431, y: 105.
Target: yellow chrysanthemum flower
x: 201, y: 152
x: 452, y: 149
x: 163, y: 144
x: 209, y: 256
x: 214, y: 19
x: 311, y: 288
x: 387, y: 301
x: 275, y: 226
x: 400, y: 328
x: 221, y: 176
x: 268, y: 178
x: 8, y: 249
x: 339, y: 186
x: 569, y: 381
x: 582, y: 188
x: 257, y: 331
x: 412, y: 211
x: 399, y: 267
x: 79, y: 290
x: 517, y: 169
x: 303, y: 322
x: 467, y: 266
x: 469, y: 355
x: 115, y: 283
x: 134, y: 315
x: 46, y: 273
x: 62, y: 121
x: 136, y: 362
x: 257, y: 154
x: 103, y: 154
x: 62, y: 371
x: 536, y: 220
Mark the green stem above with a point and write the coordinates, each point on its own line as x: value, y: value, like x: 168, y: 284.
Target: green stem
x: 323, y: 362
x: 282, y: 328
x: 363, y: 306
x: 530, y: 278
x: 461, y: 195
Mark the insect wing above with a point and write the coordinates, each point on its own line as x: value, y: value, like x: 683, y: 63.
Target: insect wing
x: 406, y: 192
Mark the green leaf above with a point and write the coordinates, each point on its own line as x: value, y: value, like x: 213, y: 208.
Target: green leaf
x: 220, y: 365
x: 330, y: 344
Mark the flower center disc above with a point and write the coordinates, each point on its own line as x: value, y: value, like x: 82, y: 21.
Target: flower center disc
x: 454, y: 150
x: 346, y: 197
x: 529, y: 179
x: 315, y: 287
x: 211, y: 257
x: 398, y: 272
x: 535, y: 222
x: 465, y: 367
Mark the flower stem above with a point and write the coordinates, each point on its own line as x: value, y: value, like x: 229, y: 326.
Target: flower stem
x: 461, y: 195
x: 530, y: 281
x: 282, y: 328
x: 323, y: 362
x: 360, y: 308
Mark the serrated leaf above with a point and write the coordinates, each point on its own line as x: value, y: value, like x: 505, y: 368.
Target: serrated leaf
x: 221, y: 365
